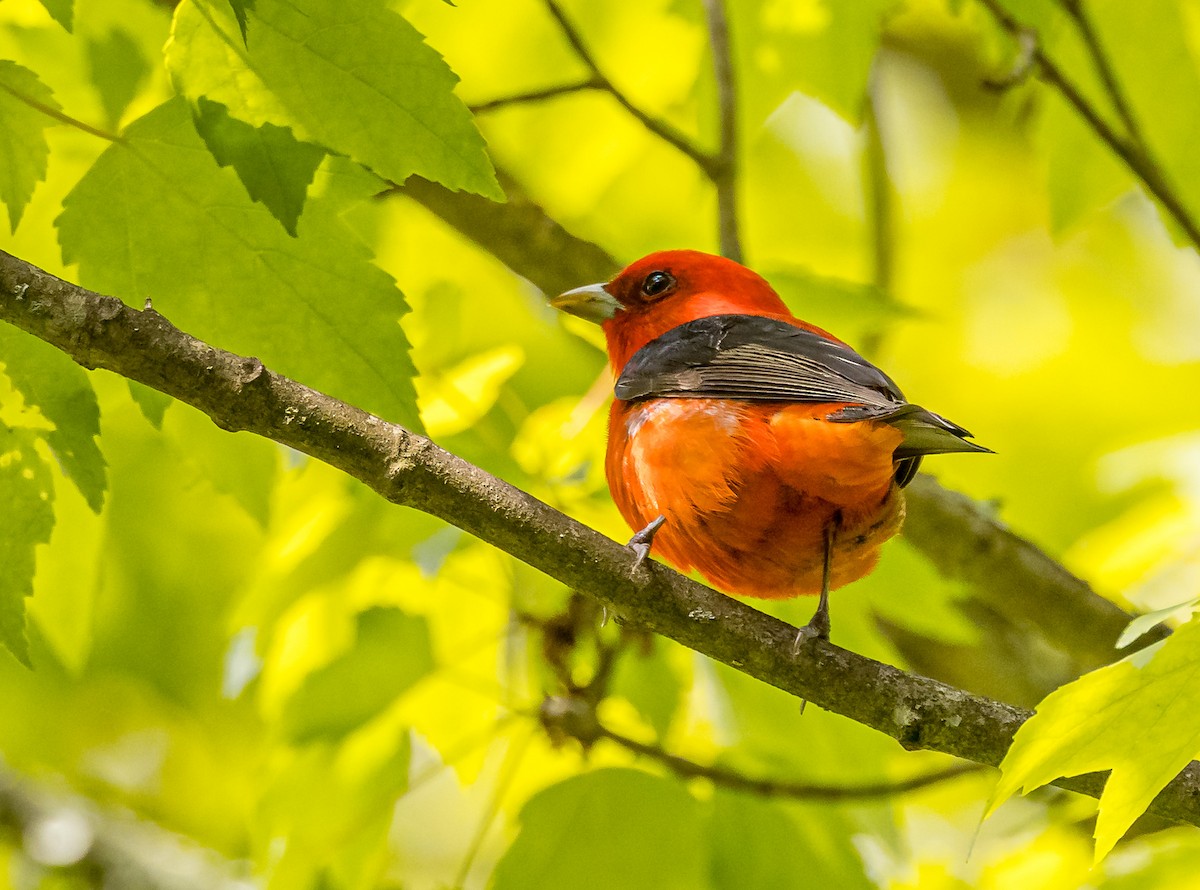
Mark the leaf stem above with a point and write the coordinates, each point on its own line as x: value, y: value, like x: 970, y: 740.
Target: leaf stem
x: 60, y: 116
x: 591, y: 82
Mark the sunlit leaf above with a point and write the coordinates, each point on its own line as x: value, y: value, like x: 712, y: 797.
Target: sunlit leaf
x: 153, y: 403
x: 650, y: 683
x: 758, y: 843
x: 62, y: 11
x: 62, y: 392
x: 455, y: 399
x: 1143, y: 623
x: 822, y: 49
x: 391, y: 652
x: 23, y: 150
x: 156, y: 217
x: 239, y: 11
x: 639, y: 816
x: 27, y: 492
x: 1139, y: 717
x: 352, y: 76
x: 118, y: 69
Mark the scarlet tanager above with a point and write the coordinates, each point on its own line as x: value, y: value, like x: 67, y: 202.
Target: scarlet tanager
x: 745, y: 443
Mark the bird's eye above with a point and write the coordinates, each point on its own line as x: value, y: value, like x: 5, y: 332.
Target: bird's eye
x: 657, y: 283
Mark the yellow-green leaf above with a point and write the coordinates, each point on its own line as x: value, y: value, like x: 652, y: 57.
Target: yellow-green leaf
x: 1139, y: 717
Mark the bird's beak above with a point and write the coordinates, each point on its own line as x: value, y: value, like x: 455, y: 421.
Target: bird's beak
x: 592, y: 302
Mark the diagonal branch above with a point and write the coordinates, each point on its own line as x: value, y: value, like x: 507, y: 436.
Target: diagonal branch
x: 239, y: 393
x: 1131, y: 152
x: 1083, y: 22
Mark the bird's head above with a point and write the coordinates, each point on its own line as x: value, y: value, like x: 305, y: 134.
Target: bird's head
x: 664, y: 290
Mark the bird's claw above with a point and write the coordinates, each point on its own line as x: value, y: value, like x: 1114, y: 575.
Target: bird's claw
x: 641, y: 543
x: 817, y: 629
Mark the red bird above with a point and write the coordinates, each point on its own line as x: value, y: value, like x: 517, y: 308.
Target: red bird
x: 747, y: 444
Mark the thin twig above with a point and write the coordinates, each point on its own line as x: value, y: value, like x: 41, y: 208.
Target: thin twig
x: 588, y: 83
x: 659, y: 128
x: 724, y: 172
x: 575, y: 717
x: 1138, y: 160
x: 727, y: 778
x: 1104, y: 68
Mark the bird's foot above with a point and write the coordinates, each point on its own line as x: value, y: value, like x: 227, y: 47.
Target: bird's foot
x: 816, y: 629
x: 641, y: 542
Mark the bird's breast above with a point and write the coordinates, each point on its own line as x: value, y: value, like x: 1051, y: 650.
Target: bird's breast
x: 748, y: 488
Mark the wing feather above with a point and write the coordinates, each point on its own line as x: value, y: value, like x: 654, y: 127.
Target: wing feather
x: 751, y: 358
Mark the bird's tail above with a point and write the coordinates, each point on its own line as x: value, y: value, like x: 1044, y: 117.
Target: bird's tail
x: 929, y: 433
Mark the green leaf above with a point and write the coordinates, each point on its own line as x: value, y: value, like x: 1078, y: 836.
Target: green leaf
x: 239, y: 12
x: 1139, y: 717
x: 274, y: 166
x: 155, y: 216
x: 61, y: 390
x: 613, y: 828
x: 1140, y: 625
x: 824, y: 50
x: 391, y: 653
x: 1150, y: 45
x: 757, y: 843
x: 117, y: 69
x: 152, y: 403
x: 649, y: 683
x: 1163, y: 859
x: 349, y: 74
x: 62, y: 11
x: 27, y: 492
x: 848, y: 307
x: 1082, y: 175
x: 23, y: 149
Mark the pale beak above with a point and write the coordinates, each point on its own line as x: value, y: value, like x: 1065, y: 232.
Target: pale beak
x: 592, y: 302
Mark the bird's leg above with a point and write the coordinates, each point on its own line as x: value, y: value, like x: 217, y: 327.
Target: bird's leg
x: 818, y: 627
x: 641, y: 542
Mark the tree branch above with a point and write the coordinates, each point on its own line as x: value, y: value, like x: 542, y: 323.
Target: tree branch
x: 1137, y: 159
x: 724, y: 170
x: 239, y: 393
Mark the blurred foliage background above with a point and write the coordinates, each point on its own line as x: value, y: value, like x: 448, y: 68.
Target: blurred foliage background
x: 248, y: 670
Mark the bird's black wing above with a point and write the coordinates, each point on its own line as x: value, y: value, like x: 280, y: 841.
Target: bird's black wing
x: 756, y: 359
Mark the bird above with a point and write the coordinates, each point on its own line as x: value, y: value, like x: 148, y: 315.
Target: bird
x: 747, y: 444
